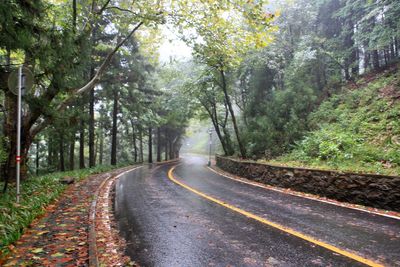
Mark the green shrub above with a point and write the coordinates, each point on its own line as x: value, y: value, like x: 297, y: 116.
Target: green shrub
x: 353, y: 131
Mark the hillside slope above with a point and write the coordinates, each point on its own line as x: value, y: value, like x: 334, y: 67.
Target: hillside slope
x: 358, y: 130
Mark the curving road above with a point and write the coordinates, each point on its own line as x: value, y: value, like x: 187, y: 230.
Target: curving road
x: 192, y: 217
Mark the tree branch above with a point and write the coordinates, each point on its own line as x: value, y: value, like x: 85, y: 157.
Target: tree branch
x: 103, y: 7
x: 86, y: 88
x: 121, y: 9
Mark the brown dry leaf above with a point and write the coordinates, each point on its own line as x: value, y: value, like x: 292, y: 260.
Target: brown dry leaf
x: 42, y: 232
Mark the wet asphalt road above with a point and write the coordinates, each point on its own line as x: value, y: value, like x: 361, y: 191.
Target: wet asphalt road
x: 167, y: 225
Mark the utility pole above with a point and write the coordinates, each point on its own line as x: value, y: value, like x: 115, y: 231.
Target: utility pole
x: 21, y: 83
x: 209, y: 155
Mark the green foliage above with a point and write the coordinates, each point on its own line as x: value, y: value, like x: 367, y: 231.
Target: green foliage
x: 3, y: 152
x: 277, y: 118
x: 357, y: 130
x: 314, y: 51
x: 36, y: 194
x: 227, y: 29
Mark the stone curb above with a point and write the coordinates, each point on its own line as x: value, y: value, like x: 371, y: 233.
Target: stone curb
x: 93, y: 255
x: 328, y: 171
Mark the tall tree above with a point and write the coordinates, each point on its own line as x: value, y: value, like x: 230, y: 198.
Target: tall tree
x: 114, y: 130
x: 150, y: 145
x: 248, y: 28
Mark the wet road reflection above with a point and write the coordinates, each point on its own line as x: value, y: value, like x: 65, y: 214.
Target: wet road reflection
x: 166, y: 225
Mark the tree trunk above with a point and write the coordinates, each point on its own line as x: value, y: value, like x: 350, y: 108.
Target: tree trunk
x: 177, y: 146
x: 212, y: 112
x: 37, y: 157
x: 74, y: 14
x: 355, y: 69
x: 375, y: 59
x: 49, y: 149
x: 141, y: 145
x: 26, y: 141
x: 346, y: 73
x: 219, y: 135
x: 150, y: 156
x: 158, y: 144
x: 228, y: 142
x: 135, y: 149
x: 82, y: 145
x: 61, y: 153
x: 385, y: 57
x: 10, y: 133
x: 114, y: 130
x: 72, y: 153
x: 4, y: 167
x: 171, y: 149
x: 392, y: 53
x: 96, y: 147
x: 92, y: 161
x: 235, y: 127
x: 8, y: 59
x: 166, y: 143
x: 367, y: 57
x: 350, y: 61
x: 11, y: 161
x: 135, y: 152
x: 101, y: 149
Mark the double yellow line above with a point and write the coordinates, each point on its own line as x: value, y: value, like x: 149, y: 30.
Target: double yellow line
x: 275, y: 225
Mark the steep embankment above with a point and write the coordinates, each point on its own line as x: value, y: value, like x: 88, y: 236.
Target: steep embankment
x: 357, y: 130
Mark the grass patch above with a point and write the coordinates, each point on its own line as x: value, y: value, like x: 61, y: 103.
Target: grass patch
x: 36, y: 194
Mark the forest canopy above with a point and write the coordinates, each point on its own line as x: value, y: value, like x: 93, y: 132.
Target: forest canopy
x: 96, y: 79
x: 259, y: 69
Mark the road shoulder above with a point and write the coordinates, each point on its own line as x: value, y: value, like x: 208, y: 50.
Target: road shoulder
x: 60, y: 236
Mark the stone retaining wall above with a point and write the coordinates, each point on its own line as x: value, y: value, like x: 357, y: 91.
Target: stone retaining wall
x: 367, y: 189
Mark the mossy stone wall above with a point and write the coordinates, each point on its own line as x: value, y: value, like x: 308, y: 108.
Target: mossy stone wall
x: 377, y: 191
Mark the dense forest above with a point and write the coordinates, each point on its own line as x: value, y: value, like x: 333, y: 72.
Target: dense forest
x: 258, y: 73
x: 320, y: 50
x: 99, y: 95
x: 320, y: 45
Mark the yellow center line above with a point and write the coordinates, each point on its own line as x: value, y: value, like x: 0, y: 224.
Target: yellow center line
x: 275, y: 225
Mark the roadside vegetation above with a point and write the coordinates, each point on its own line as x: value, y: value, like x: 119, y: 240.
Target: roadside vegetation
x: 321, y: 94
x: 36, y: 193
x: 357, y: 130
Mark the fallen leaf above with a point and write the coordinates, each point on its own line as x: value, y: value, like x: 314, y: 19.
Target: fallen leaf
x: 37, y: 250
x: 69, y: 249
x: 42, y: 232
x: 56, y: 255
